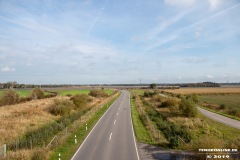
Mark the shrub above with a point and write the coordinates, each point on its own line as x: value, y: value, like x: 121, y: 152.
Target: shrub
x: 9, y: 97
x: 37, y: 93
x: 98, y: 93
x: 169, y: 103
x: 222, y: 106
x: 25, y: 99
x: 149, y: 93
x: 195, y: 98
x: 81, y: 100
x: 188, y: 109
x: 61, y: 107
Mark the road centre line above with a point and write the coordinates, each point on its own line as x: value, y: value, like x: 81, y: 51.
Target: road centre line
x: 110, y: 137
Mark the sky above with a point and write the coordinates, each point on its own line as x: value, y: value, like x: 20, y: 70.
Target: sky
x: 113, y: 42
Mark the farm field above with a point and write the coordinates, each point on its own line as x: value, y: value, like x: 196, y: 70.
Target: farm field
x: 220, y: 90
x: 23, y: 93
x: 84, y: 91
x: 27, y: 92
x: 227, y: 104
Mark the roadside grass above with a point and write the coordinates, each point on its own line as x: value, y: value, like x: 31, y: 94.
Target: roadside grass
x: 86, y: 91
x: 228, y: 133
x: 141, y: 132
x: 68, y: 148
x: 198, y: 131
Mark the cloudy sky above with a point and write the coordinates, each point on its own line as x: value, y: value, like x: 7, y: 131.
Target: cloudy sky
x: 112, y: 41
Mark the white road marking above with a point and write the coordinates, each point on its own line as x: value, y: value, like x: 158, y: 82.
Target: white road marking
x: 119, y: 108
x: 117, y: 114
x: 110, y: 137
x: 114, y: 121
x: 133, y: 130
x: 92, y: 130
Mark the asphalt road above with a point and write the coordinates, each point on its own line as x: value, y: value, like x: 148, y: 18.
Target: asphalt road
x: 220, y: 118
x: 112, y: 138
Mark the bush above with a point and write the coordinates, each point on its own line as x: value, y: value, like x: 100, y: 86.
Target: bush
x: 98, y: 93
x: 25, y: 99
x: 149, y: 93
x: 61, y: 107
x: 9, y: 97
x: 195, y: 98
x: 81, y: 100
x: 169, y: 103
x: 222, y: 106
x: 37, y: 93
x: 188, y: 109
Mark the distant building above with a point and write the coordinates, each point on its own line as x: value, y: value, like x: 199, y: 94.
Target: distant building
x: 1, y: 86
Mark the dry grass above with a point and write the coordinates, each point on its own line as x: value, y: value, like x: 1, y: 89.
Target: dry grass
x: 205, y: 90
x: 16, y: 120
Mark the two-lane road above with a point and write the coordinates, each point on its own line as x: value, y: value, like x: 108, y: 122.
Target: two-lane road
x: 112, y: 138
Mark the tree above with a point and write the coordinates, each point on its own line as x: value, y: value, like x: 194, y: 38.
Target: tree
x: 153, y: 85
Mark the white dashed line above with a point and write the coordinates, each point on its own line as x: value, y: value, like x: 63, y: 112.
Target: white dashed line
x: 110, y: 137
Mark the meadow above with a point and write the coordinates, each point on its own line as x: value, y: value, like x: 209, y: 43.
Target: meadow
x: 227, y: 104
x: 64, y: 92
x: 206, y: 90
x: 84, y: 91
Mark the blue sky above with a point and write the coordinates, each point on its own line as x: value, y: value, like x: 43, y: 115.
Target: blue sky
x: 110, y: 41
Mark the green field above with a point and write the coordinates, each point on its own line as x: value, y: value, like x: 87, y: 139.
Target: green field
x: 74, y: 92
x: 23, y: 93
x: 230, y: 103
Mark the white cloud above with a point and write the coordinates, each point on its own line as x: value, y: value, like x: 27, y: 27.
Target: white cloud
x: 210, y: 76
x: 180, y: 3
x: 214, y: 4
x: 7, y: 69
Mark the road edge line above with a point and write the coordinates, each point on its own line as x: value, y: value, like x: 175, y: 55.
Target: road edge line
x: 93, y: 128
x: 132, y: 127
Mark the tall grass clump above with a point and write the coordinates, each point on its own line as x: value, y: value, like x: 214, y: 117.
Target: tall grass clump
x: 9, y: 97
x: 37, y: 93
x: 187, y: 108
x: 61, y: 107
x: 98, y: 93
x: 81, y: 100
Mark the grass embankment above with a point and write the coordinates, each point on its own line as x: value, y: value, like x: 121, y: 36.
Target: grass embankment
x: 68, y: 148
x: 141, y: 131
x: 172, y: 118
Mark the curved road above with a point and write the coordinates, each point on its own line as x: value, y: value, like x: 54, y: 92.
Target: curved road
x: 219, y: 118
x: 113, y: 136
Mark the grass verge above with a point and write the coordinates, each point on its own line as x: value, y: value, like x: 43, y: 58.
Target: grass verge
x: 141, y: 132
x: 68, y: 148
